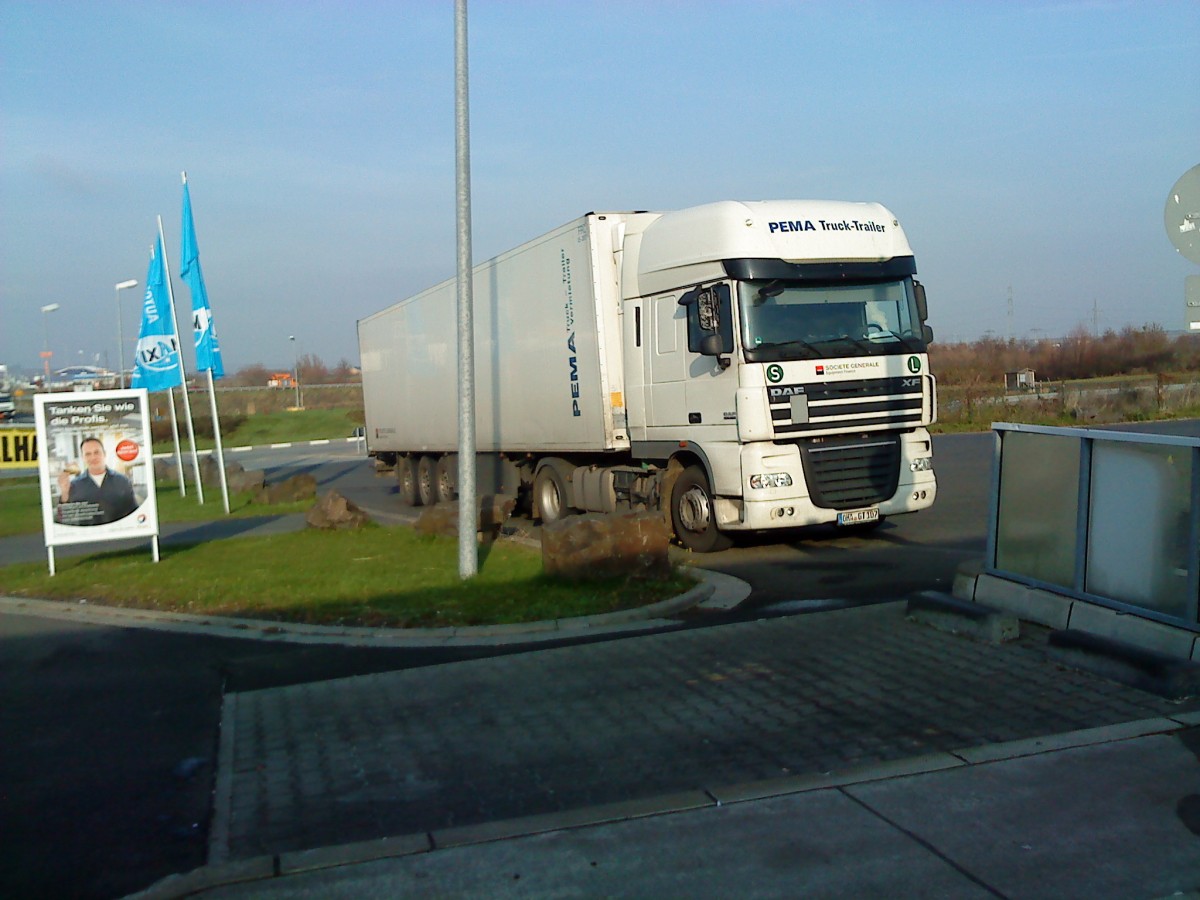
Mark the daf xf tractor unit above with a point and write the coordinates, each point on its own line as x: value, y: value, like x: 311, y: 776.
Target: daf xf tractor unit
x: 740, y: 366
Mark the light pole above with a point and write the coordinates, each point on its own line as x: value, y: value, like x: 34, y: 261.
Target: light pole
x: 131, y: 283
x: 296, y: 371
x: 46, y: 354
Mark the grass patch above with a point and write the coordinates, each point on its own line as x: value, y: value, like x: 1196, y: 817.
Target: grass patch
x: 374, y: 577
x: 278, y: 427
x: 21, y: 506
x: 297, y: 425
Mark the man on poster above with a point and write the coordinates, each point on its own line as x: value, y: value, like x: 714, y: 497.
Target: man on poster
x: 97, y: 495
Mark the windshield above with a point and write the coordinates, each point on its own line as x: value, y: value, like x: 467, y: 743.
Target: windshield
x: 806, y: 320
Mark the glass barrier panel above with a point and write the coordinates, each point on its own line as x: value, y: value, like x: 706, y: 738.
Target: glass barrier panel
x: 1039, y: 497
x: 1137, y: 549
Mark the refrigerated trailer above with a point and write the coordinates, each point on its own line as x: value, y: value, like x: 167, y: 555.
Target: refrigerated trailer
x: 741, y: 366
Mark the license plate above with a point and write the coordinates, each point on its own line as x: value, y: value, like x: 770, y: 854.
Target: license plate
x: 858, y: 516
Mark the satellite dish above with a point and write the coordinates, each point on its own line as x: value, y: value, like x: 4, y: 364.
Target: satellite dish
x: 1182, y: 215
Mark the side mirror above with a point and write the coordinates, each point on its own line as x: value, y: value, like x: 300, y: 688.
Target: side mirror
x: 709, y: 311
x: 922, y: 304
x: 927, y: 334
x: 708, y: 333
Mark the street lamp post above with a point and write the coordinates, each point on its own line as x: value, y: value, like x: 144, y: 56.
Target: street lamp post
x: 48, y: 308
x: 296, y: 370
x: 131, y: 283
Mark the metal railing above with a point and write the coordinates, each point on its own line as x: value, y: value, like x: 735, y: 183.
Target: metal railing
x: 1109, y: 517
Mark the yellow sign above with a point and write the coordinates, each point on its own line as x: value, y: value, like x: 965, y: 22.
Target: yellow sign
x: 18, y: 448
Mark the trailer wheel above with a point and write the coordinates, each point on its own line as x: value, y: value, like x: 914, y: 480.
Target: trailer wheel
x: 692, y: 514
x: 406, y: 481
x: 549, y: 495
x: 446, y: 478
x: 427, y: 481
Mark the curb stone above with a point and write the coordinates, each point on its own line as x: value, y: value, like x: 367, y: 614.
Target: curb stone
x: 730, y: 590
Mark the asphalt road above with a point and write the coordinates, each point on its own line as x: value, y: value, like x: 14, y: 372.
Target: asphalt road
x: 110, y: 734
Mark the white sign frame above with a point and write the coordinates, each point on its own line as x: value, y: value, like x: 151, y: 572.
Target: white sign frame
x: 120, y: 422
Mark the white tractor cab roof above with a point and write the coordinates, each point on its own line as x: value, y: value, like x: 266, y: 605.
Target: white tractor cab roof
x: 760, y: 239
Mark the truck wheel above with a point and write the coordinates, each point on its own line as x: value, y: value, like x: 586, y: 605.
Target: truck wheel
x: 549, y: 495
x: 427, y: 481
x: 406, y: 481
x: 692, y: 513
x: 446, y: 478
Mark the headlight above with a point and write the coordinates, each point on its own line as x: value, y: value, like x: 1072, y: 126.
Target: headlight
x: 922, y: 464
x: 772, y: 480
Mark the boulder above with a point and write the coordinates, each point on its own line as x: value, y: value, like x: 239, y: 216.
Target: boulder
x: 334, y: 512
x: 494, y: 511
x: 165, y: 470
x: 291, y: 490
x: 210, y: 471
x: 237, y: 478
x: 442, y: 518
x: 244, y: 479
x: 603, y: 546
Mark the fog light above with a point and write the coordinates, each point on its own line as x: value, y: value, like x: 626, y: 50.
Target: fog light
x: 771, y: 480
x: 918, y: 495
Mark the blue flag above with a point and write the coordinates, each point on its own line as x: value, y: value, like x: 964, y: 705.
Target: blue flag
x: 157, y: 355
x: 208, y: 351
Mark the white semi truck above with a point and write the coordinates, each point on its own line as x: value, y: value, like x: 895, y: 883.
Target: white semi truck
x: 741, y: 366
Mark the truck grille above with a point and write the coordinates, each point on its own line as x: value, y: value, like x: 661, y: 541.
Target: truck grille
x: 854, y: 472
x: 831, y: 407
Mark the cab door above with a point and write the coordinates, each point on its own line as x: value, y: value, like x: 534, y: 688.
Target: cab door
x: 666, y: 362
x: 710, y: 386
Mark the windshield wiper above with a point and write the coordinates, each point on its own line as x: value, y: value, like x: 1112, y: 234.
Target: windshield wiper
x: 781, y: 350
x: 860, y: 343
x: 798, y: 342
x: 908, y: 344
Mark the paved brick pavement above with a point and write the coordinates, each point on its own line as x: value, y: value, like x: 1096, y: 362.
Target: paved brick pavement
x: 558, y: 729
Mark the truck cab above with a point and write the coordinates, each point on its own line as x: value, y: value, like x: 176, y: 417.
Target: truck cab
x: 776, y: 359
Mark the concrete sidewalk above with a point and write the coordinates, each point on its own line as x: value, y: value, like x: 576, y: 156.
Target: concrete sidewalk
x: 848, y: 754
x: 1090, y: 815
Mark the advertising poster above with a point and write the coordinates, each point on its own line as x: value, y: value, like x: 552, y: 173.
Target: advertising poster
x: 95, y: 467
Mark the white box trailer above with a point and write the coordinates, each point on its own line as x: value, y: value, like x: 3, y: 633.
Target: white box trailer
x: 547, y: 353
x: 742, y: 366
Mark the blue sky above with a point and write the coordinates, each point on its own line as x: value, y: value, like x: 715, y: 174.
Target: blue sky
x: 1023, y: 145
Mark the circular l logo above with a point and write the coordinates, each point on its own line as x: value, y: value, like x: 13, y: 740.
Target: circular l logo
x: 914, y: 364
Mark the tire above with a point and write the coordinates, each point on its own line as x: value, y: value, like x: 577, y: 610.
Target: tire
x: 692, y: 514
x: 427, y: 480
x: 406, y: 481
x: 549, y: 495
x: 446, y: 479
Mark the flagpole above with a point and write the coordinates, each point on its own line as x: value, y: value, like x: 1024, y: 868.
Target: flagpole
x: 175, y: 435
x: 212, y: 396
x: 187, y: 403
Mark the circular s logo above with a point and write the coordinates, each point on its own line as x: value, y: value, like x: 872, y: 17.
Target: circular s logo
x: 914, y: 364
x: 774, y: 373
